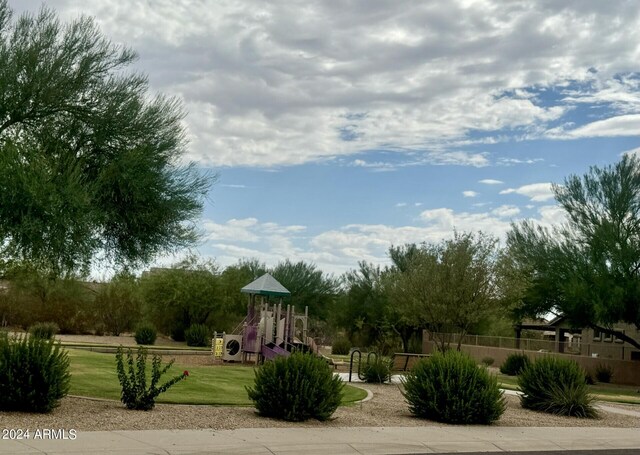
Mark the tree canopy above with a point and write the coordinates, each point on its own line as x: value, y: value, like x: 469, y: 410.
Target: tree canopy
x: 588, y: 269
x: 446, y: 287
x: 89, y: 161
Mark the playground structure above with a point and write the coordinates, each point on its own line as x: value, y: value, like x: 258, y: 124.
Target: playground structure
x: 269, y: 329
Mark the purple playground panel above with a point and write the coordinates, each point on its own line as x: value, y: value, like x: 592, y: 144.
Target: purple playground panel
x: 270, y: 350
x: 250, y: 339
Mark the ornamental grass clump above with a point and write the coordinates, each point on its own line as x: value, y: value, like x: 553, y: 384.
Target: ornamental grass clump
x: 377, y: 371
x: 34, y: 374
x: 604, y: 373
x: 136, y: 393
x: 44, y: 330
x: 514, y: 364
x: 556, y: 386
x: 296, y: 388
x: 451, y: 388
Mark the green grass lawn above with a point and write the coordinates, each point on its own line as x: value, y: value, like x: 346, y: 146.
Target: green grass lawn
x: 93, y: 374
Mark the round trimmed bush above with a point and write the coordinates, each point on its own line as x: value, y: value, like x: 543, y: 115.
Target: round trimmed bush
x: 377, y: 371
x: 296, y: 388
x: 556, y: 386
x: 44, y: 330
x: 514, y: 364
x: 452, y: 388
x: 197, y: 335
x: 34, y: 374
x: 341, y: 346
x: 146, y: 333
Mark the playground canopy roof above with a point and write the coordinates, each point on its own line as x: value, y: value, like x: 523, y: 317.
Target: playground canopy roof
x: 266, y: 285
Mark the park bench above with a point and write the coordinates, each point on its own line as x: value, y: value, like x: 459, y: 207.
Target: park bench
x: 404, y: 361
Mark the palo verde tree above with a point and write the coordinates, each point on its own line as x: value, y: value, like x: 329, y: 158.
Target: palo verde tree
x: 89, y: 161
x: 587, y: 269
x: 448, y: 286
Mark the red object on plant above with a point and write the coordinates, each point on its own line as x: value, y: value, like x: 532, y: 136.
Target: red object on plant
x: 185, y: 372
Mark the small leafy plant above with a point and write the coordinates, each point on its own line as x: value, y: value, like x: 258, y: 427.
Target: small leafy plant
x: 514, y: 364
x: 556, y: 386
x: 34, y: 374
x: 197, y: 335
x: 340, y: 346
x: 146, y: 333
x: 377, y: 371
x: 44, y: 330
x: 296, y: 388
x: 136, y: 394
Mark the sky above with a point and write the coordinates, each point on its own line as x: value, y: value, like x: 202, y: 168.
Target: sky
x: 340, y: 128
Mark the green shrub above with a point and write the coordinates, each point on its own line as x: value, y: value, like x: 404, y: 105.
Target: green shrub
x: 44, y: 330
x: 488, y: 361
x: 514, y: 364
x: 340, y: 346
x: 177, y: 332
x: 449, y: 387
x: 377, y: 371
x: 556, y: 386
x: 197, y: 335
x: 136, y: 393
x: 604, y: 373
x: 146, y: 333
x: 296, y: 388
x: 34, y: 374
x: 588, y: 378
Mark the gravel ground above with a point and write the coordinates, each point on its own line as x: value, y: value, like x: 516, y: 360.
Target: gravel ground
x: 387, y: 408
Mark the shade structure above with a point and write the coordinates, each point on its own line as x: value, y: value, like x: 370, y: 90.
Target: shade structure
x: 266, y: 285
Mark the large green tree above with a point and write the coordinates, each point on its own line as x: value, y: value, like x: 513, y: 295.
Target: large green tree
x: 89, y: 161
x: 185, y: 294
x: 446, y: 287
x: 587, y: 269
x: 308, y: 285
x: 363, y: 305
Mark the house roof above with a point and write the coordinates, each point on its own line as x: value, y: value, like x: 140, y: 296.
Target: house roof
x: 266, y: 285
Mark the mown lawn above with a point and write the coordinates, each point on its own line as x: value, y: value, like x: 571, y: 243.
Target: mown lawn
x: 94, y: 374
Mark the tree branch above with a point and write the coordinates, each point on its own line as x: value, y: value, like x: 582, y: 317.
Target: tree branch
x: 620, y: 335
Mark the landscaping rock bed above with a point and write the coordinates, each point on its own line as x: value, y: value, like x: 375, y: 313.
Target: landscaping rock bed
x: 386, y: 408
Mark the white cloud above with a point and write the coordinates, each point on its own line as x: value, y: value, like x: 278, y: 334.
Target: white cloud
x: 232, y: 185
x: 622, y: 125
x: 401, y: 204
x: 469, y: 193
x: 491, y: 182
x: 271, y: 84
x: 246, y: 230
x: 506, y: 211
x: 340, y: 249
x: 514, y: 161
x: 537, y: 192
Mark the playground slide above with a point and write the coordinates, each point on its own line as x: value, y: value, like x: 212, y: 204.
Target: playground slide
x: 271, y: 350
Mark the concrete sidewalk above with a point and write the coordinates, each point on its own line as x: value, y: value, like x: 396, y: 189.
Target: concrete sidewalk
x: 332, y: 441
